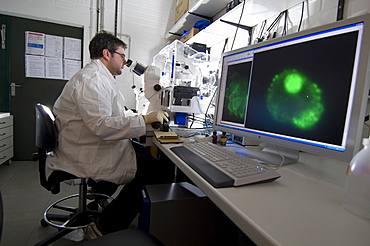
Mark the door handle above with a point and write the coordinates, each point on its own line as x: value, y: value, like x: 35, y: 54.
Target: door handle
x: 12, y: 88
x: 3, y: 32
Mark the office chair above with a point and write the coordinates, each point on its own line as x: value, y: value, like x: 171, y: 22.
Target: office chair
x: 80, y: 217
x: 68, y: 218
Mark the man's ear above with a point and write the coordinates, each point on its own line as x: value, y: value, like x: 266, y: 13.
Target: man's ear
x: 106, y: 54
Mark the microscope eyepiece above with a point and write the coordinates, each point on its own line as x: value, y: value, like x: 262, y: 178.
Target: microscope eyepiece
x: 128, y: 63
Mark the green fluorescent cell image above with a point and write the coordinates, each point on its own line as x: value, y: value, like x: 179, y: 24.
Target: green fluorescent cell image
x: 237, y: 93
x: 295, y: 99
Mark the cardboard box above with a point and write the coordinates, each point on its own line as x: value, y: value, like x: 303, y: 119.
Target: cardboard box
x: 182, y: 6
x: 190, y: 34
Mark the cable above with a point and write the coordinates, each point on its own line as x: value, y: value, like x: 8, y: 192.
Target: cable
x: 196, y: 119
x: 285, y: 22
x: 300, y: 22
x: 226, y: 41
x: 192, y: 122
x: 209, y: 105
x: 260, y: 36
x: 236, y: 31
x: 277, y: 150
x: 282, y: 158
x: 275, y: 22
x: 206, y: 123
x: 210, y: 101
x: 262, y: 28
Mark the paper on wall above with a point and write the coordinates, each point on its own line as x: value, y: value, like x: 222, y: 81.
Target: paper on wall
x: 72, y: 48
x: 70, y: 68
x: 35, y: 66
x: 35, y: 43
x: 53, y: 46
x: 53, y: 68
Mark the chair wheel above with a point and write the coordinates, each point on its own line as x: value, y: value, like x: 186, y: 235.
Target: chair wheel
x: 43, y: 223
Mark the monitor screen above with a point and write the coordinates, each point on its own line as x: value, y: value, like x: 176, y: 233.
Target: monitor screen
x: 307, y: 91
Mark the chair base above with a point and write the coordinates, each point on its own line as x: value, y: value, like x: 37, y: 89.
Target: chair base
x: 76, y: 217
x: 72, y: 219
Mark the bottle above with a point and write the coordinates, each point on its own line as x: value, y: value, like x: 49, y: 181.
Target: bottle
x: 223, y: 139
x: 214, y: 137
x: 357, y: 188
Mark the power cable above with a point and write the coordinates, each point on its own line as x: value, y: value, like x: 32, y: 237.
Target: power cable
x: 236, y: 31
x: 300, y: 22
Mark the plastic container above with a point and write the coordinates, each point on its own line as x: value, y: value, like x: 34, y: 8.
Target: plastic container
x: 357, y: 188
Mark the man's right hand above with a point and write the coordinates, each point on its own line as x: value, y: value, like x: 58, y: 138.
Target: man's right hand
x: 156, y: 116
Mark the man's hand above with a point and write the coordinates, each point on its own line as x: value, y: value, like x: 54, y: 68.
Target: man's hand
x: 156, y: 116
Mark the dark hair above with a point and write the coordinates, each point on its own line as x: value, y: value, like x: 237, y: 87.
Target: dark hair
x: 104, y: 40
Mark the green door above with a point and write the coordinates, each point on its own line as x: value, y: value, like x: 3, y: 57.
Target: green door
x: 4, y: 66
x: 29, y: 91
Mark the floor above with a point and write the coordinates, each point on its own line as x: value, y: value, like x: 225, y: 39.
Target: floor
x: 25, y: 200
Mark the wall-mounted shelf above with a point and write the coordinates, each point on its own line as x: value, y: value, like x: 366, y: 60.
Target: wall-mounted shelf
x: 255, y: 12
x: 207, y: 8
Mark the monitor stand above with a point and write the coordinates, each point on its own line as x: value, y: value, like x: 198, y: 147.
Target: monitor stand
x: 272, y: 154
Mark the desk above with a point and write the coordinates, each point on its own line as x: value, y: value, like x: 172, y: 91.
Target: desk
x: 303, y: 207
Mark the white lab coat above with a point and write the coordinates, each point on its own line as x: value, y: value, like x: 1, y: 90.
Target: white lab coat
x: 94, y: 130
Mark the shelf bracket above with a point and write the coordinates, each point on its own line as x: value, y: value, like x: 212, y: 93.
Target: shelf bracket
x: 176, y: 34
x: 248, y: 28
x: 201, y: 16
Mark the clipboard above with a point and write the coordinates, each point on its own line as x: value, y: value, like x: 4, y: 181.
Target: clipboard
x: 167, y: 137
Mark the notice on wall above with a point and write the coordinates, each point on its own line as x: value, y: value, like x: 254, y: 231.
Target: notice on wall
x: 35, y: 43
x: 53, y: 68
x: 53, y: 46
x: 51, y: 57
x: 35, y: 66
x: 70, y: 68
x: 72, y: 48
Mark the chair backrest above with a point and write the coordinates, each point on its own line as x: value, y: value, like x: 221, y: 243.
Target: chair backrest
x: 46, y: 132
x: 46, y: 140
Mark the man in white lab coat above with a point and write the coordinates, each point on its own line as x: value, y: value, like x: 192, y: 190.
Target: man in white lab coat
x: 95, y: 129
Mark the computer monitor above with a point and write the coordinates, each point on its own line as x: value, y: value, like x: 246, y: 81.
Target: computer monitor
x: 306, y: 91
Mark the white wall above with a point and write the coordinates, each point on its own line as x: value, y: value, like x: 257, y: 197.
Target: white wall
x: 315, y: 13
x: 145, y: 22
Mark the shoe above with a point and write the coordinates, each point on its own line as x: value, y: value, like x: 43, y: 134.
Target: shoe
x: 92, y: 231
x: 103, y: 203
x: 76, y: 235
x: 98, y: 204
x: 93, y: 206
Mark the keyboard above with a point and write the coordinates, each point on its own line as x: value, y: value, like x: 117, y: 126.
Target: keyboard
x: 223, y: 168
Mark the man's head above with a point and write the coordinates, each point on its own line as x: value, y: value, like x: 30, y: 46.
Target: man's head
x: 109, y: 50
